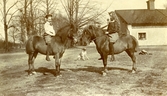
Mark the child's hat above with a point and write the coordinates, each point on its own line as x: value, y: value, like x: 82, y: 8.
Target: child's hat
x: 83, y: 48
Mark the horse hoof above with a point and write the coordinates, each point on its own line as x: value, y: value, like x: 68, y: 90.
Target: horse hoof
x: 48, y: 59
x: 30, y: 74
x: 112, y: 60
x: 104, y: 73
x: 33, y: 73
x: 105, y: 70
x: 133, y: 71
x: 59, y: 76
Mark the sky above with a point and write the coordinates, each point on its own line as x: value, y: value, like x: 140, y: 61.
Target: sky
x: 111, y: 5
x: 130, y: 4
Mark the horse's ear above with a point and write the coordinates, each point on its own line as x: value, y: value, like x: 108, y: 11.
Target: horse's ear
x: 69, y: 32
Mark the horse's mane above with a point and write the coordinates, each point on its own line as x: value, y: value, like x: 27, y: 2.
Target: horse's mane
x: 62, y: 33
x: 62, y: 28
x: 91, y: 26
x: 95, y: 30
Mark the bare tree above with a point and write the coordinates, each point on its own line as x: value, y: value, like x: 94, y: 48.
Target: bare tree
x: 6, y: 12
x: 49, y: 5
x: 31, y: 17
x: 80, y: 12
x: 23, y: 20
x: 14, y: 34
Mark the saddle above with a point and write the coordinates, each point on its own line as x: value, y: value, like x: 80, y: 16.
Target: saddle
x: 47, y: 38
x: 113, y: 37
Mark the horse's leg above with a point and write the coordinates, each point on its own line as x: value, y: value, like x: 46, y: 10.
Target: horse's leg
x: 32, y: 64
x: 101, y: 56
x: 111, y: 48
x: 31, y: 59
x: 105, y: 64
x: 57, y: 64
x: 131, y: 54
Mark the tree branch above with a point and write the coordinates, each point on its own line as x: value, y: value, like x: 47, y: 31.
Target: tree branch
x: 12, y: 15
x: 11, y: 7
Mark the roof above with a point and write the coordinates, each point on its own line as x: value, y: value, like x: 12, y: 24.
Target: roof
x: 143, y: 16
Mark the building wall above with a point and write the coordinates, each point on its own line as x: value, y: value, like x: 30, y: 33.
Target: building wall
x: 154, y: 35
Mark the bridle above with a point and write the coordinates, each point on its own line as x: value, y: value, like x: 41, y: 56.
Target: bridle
x: 95, y: 37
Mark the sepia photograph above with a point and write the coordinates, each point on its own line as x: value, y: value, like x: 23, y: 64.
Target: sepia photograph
x: 83, y: 48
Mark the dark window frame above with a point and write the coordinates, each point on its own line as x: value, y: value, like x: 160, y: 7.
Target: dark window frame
x: 142, y: 36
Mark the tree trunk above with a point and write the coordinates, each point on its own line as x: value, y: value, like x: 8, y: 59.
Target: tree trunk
x: 6, y: 37
x: 47, y: 7
x: 5, y: 27
x: 71, y: 5
x: 25, y: 19
x: 32, y: 17
x: 76, y: 16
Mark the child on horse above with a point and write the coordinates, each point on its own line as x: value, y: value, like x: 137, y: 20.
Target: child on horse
x: 112, y: 32
x: 49, y: 32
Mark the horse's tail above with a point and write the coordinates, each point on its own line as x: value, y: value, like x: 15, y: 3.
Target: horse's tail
x: 136, y: 44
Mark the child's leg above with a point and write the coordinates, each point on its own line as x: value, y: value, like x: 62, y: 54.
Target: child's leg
x: 86, y: 57
x: 83, y: 58
x: 79, y: 57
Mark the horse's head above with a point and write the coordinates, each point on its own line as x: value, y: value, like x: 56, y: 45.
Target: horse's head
x: 90, y: 33
x: 73, y: 36
x: 68, y: 35
x: 86, y: 36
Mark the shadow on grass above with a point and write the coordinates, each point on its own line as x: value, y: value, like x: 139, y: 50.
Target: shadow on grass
x: 46, y: 71
x: 98, y: 69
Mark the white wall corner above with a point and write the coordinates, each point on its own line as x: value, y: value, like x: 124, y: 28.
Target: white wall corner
x: 130, y: 29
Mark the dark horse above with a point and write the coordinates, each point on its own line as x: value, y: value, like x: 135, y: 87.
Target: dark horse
x: 59, y: 43
x: 125, y: 43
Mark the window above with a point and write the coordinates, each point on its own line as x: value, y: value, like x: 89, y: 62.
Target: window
x: 142, y: 36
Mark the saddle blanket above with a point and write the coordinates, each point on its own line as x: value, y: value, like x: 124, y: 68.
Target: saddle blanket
x: 113, y: 37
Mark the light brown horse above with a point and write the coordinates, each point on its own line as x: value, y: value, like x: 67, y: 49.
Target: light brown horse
x: 125, y: 43
x: 59, y: 43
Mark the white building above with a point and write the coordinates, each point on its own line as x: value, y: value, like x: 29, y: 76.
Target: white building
x: 149, y: 26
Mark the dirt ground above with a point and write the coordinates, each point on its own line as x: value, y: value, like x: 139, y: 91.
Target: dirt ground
x: 84, y: 78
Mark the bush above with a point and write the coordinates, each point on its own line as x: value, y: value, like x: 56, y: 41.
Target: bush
x: 1, y: 44
x: 11, y: 45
